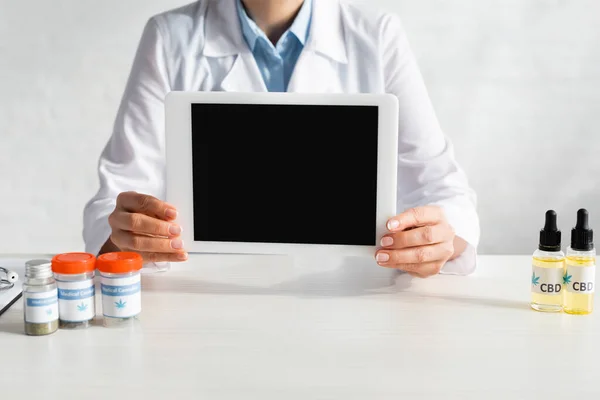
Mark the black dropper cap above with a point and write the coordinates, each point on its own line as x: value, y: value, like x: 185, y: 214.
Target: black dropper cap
x: 550, y: 235
x: 582, y: 237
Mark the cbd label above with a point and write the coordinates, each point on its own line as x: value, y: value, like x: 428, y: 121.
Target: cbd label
x: 580, y: 279
x: 121, y: 297
x: 547, y: 281
x: 41, y: 308
x: 76, y: 300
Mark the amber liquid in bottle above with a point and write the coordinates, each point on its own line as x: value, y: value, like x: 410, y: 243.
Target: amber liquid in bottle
x: 547, y: 269
x: 580, y: 269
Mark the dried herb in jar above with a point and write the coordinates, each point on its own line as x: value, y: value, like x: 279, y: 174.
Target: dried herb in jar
x: 40, y: 299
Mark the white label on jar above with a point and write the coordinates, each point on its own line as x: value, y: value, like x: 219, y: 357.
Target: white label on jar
x: 41, y: 307
x: 547, y: 281
x: 121, y: 297
x: 580, y: 279
x: 76, y: 300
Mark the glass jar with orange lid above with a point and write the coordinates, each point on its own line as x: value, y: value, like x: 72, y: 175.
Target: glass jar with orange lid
x: 74, y: 275
x: 121, y: 287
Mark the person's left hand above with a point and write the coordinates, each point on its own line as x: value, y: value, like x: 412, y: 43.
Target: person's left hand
x: 420, y: 241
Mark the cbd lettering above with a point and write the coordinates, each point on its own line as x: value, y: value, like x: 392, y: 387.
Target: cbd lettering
x: 583, y: 286
x: 551, y: 288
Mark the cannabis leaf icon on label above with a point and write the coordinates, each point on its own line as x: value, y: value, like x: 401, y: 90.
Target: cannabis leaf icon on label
x: 535, y: 280
x: 82, y: 307
x: 49, y: 311
x: 567, y: 278
x: 120, y: 303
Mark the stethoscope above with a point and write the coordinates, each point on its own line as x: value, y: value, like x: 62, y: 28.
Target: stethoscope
x: 9, y: 280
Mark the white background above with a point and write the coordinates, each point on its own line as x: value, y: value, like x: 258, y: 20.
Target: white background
x: 516, y: 85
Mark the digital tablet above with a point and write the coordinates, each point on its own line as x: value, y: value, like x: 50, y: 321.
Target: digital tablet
x: 282, y: 173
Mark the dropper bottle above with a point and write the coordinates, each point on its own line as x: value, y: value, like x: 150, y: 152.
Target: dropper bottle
x: 580, y: 269
x: 548, y: 266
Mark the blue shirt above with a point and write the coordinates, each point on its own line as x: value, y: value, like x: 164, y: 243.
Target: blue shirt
x: 276, y: 63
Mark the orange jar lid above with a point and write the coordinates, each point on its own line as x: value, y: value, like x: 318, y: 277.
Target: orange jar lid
x: 119, y: 262
x: 73, y: 263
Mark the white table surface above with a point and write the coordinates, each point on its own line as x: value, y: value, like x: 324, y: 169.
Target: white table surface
x: 239, y: 327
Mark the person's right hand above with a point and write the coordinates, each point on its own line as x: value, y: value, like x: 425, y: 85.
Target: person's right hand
x: 144, y: 224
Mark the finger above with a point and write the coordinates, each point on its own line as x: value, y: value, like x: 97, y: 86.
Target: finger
x: 415, y: 217
x: 164, y: 257
x: 415, y: 255
x: 145, y: 204
x: 146, y: 244
x: 429, y: 234
x: 140, y: 223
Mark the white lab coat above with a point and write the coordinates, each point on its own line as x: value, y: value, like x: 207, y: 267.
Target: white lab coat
x: 351, y: 48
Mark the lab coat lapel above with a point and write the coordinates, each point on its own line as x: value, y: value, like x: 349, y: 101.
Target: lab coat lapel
x: 324, y: 57
x: 225, y: 42
x: 315, y: 74
x: 244, y: 75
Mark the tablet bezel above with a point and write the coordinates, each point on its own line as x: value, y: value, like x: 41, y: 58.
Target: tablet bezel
x: 179, y: 184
